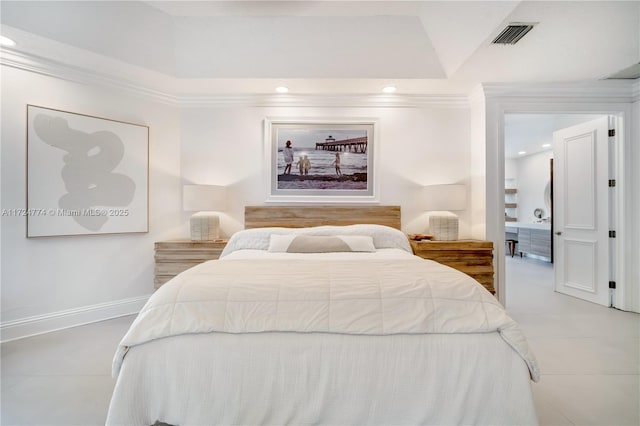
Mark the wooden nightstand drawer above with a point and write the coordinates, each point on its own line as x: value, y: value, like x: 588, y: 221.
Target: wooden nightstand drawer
x: 473, y: 257
x: 173, y: 257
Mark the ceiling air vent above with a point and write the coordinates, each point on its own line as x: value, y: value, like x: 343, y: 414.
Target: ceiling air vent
x: 514, y: 32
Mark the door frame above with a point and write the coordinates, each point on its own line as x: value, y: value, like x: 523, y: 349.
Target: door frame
x: 550, y: 102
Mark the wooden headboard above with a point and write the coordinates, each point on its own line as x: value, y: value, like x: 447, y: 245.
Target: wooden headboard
x: 305, y: 216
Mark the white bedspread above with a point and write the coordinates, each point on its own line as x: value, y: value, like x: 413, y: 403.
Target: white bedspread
x: 369, y: 296
x: 281, y: 378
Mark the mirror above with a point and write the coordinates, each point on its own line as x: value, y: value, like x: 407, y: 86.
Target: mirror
x: 547, y: 195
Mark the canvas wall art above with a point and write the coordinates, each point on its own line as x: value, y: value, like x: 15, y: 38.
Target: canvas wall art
x: 321, y: 160
x: 85, y: 175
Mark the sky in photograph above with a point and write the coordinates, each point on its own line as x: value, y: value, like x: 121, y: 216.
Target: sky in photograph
x: 305, y: 138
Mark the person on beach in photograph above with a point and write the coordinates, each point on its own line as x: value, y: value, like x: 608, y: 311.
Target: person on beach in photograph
x: 306, y: 164
x: 287, y: 152
x: 300, y: 165
x: 337, y: 164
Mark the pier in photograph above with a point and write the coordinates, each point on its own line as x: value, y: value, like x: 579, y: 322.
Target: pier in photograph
x: 357, y: 145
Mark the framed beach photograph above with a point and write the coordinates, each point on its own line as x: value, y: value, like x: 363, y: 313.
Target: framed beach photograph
x: 85, y: 175
x: 316, y: 160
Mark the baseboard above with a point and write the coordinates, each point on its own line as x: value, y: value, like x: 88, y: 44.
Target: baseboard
x: 32, y: 326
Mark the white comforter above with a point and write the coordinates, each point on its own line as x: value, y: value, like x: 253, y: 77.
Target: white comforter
x: 323, y: 294
x: 381, y: 338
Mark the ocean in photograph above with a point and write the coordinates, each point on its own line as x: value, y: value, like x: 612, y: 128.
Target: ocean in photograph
x: 322, y: 171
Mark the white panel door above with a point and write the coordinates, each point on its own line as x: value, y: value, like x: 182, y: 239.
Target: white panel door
x: 581, y: 211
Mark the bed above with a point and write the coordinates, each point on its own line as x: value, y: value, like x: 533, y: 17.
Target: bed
x: 322, y: 324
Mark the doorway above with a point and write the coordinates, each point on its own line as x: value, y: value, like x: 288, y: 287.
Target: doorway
x: 528, y: 183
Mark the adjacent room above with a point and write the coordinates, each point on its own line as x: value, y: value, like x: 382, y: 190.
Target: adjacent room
x: 320, y: 212
x: 530, y: 200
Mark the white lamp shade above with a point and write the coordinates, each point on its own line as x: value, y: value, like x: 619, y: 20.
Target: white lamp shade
x: 445, y: 197
x: 197, y: 198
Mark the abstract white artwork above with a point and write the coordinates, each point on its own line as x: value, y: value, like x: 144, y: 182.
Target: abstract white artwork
x: 85, y: 175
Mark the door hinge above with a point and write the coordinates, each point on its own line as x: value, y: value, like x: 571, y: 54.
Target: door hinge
x: 612, y: 132
x: 612, y: 284
x: 612, y: 234
x: 612, y: 183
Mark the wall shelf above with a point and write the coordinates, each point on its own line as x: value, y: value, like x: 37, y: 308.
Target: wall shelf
x: 510, y: 205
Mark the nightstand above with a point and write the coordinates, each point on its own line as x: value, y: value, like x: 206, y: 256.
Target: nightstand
x: 173, y: 257
x: 473, y: 257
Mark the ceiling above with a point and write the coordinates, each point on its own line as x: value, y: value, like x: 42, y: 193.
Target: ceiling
x: 528, y: 134
x: 421, y: 47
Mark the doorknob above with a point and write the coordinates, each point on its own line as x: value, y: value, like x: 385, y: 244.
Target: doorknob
x: 558, y: 233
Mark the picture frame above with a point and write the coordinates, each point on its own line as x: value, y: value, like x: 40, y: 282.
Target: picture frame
x: 86, y: 175
x: 327, y: 160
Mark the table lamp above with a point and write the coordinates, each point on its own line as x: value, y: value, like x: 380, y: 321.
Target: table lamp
x: 205, y: 200
x: 443, y: 199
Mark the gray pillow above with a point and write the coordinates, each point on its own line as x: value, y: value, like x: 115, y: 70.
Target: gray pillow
x: 320, y: 244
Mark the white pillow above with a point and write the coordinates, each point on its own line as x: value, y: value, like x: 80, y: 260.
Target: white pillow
x: 259, y: 238
x: 320, y: 244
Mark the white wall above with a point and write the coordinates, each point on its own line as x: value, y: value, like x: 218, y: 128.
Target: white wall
x: 633, y: 242
x: 61, y: 281
x: 478, y: 166
x: 533, y: 174
x: 418, y: 146
x: 510, y: 170
x: 43, y: 276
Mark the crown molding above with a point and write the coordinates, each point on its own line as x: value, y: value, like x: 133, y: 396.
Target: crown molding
x: 51, y: 68
x: 477, y: 94
x: 56, y: 69
x: 635, y: 90
x: 326, y: 101
x: 589, y: 91
x: 162, y: 89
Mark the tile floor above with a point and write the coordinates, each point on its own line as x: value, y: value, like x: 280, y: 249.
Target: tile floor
x: 589, y: 357
x: 60, y: 378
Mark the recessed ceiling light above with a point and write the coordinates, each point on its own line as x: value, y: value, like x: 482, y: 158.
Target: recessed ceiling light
x: 546, y: 145
x: 522, y: 152
x: 282, y: 89
x: 6, y: 41
x: 389, y: 89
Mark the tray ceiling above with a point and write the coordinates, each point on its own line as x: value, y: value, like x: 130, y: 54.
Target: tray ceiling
x: 437, y: 46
